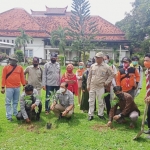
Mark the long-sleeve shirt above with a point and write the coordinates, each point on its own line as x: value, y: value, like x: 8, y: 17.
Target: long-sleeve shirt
x: 15, y: 79
x: 126, y: 106
x: 99, y: 75
x: 34, y: 76
x: 51, y: 74
x: 22, y: 103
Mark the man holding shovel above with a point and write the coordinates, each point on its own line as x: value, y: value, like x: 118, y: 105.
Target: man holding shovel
x: 147, y: 98
x: 127, y: 108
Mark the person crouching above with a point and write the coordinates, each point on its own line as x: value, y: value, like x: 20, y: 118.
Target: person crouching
x: 30, y: 105
x: 66, y: 102
x: 127, y: 108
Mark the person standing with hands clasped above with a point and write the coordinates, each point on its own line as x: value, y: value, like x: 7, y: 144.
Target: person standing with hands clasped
x: 12, y: 78
x: 51, y: 79
x: 99, y: 77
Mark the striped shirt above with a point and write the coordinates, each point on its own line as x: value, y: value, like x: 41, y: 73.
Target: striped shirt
x: 51, y: 74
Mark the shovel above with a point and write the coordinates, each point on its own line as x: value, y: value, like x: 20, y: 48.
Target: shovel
x: 143, y: 122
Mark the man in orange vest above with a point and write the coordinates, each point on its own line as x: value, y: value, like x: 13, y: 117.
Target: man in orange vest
x: 128, y: 77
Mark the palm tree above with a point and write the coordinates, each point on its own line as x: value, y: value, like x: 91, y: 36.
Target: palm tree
x: 22, y: 40
x: 60, y: 35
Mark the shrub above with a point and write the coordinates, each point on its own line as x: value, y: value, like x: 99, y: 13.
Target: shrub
x: 61, y: 59
x: 87, y: 55
x: 3, y: 56
x: 19, y: 53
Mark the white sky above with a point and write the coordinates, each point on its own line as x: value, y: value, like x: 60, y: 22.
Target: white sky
x: 110, y: 10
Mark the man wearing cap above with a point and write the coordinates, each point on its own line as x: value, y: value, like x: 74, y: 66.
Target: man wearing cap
x: 12, y: 78
x: 100, y: 75
x: 128, y: 77
x: 34, y: 73
x: 51, y: 78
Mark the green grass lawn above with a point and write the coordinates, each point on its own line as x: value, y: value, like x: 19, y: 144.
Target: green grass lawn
x: 76, y: 134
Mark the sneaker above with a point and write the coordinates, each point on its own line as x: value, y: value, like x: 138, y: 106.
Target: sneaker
x: 102, y: 117
x: 148, y: 137
x: 10, y: 119
x: 90, y: 118
x: 147, y: 132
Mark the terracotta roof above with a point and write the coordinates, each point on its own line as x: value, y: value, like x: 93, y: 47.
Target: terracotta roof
x: 107, y: 31
x: 12, y: 20
x: 40, y: 26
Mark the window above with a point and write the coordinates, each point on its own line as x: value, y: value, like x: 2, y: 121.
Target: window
x: 29, y: 53
x: 12, y: 41
x: 0, y: 40
x: 7, y: 41
x: 31, y: 42
x: 3, y: 40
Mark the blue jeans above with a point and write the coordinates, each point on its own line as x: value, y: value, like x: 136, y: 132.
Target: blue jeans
x: 12, y: 98
x: 47, y: 101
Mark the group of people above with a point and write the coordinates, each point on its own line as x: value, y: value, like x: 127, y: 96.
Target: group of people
x: 98, y: 79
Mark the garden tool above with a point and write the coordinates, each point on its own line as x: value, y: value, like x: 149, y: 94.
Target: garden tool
x: 143, y: 122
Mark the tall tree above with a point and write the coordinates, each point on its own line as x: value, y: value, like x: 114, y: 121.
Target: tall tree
x: 136, y: 24
x: 60, y: 35
x: 83, y: 28
x: 22, y: 41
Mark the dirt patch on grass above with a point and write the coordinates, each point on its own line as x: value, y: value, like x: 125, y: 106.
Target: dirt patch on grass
x: 101, y: 128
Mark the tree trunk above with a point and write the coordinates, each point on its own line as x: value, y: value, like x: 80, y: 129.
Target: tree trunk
x: 84, y: 57
x: 24, y: 54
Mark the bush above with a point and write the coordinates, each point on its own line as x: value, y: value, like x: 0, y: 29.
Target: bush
x: 87, y: 55
x: 61, y: 59
x: 3, y: 56
x: 20, y: 55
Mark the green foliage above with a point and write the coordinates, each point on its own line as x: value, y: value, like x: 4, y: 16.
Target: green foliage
x: 3, y: 56
x: 22, y: 40
x: 104, y: 95
x: 61, y: 59
x: 59, y: 36
x: 114, y: 101
x: 86, y: 57
x: 136, y: 24
x: 83, y: 28
x: 19, y: 53
x: 145, y: 45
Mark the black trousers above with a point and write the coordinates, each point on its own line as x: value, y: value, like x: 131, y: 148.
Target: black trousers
x: 32, y: 115
x: 148, y: 116
x: 107, y: 101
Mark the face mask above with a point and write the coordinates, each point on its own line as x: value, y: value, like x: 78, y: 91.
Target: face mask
x: 80, y: 67
x: 69, y: 71
x: 35, y: 65
x: 106, y: 61
x: 120, y: 96
x: 147, y: 64
x: 126, y: 65
x: 13, y: 62
x: 62, y: 90
x: 134, y: 63
x: 53, y: 61
x: 87, y: 69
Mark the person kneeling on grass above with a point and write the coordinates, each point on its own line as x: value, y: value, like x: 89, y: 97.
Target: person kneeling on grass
x: 127, y: 106
x: 30, y: 105
x: 66, y: 102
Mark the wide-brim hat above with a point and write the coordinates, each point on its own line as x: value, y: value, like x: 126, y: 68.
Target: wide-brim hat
x: 99, y: 54
x: 13, y: 57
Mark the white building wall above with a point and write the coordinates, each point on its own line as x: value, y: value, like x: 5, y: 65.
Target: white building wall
x: 37, y: 45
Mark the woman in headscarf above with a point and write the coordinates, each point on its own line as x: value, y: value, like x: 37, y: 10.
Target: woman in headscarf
x: 71, y: 79
x: 85, y: 94
x: 79, y: 74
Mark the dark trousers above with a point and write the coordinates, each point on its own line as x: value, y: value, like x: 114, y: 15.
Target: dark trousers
x: 32, y: 115
x: 148, y: 116
x: 107, y: 101
x: 48, y: 93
